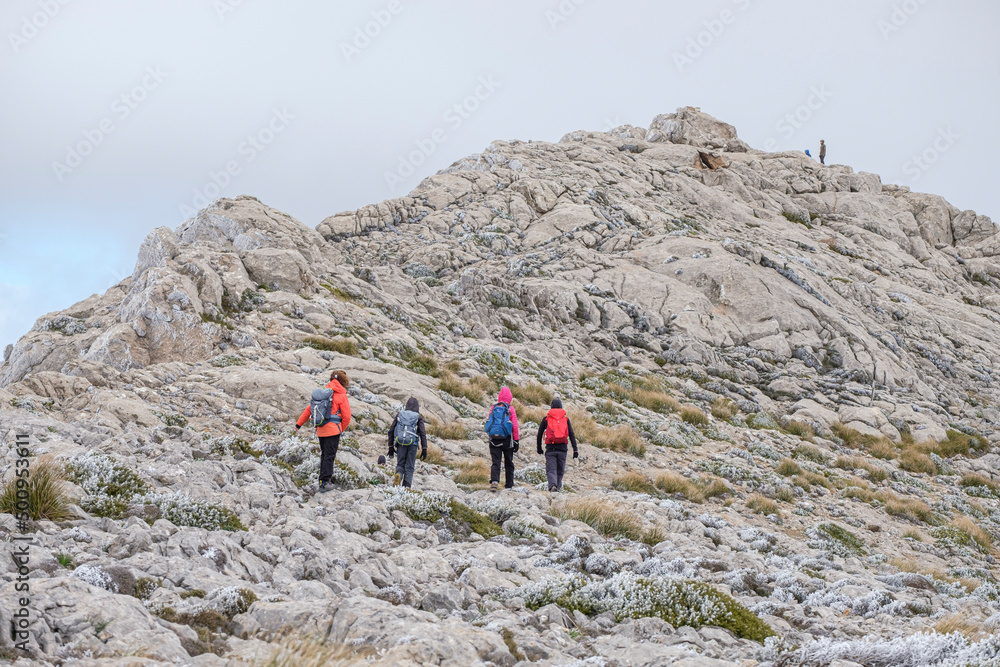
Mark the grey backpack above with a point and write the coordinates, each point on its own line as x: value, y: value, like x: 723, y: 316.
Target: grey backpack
x: 321, y: 406
x: 406, y: 428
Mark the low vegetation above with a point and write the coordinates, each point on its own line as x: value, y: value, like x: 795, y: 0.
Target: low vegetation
x: 342, y: 345
x: 635, y: 482
x: 532, y: 394
x: 627, y: 595
x: 761, y: 504
x: 606, y: 518
x: 42, y: 495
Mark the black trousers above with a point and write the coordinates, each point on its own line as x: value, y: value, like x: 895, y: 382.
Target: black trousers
x: 328, y: 453
x: 507, y: 455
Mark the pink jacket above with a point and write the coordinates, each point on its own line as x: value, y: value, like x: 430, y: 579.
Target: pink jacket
x: 508, y: 398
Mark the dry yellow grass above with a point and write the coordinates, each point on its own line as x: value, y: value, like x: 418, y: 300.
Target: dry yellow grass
x: 694, y: 415
x: 672, y: 482
x: 800, y: 429
x: 604, y: 517
x: 46, y: 492
x: 761, y: 504
x: 911, y: 565
x: 614, y: 438
x: 788, y: 468
x: 447, y: 431
x: 304, y: 651
x: 697, y: 491
x: 474, y: 473
x: 532, y: 394
x: 634, y: 481
x: 972, y: 629
x: 724, y: 408
x: 875, y: 473
x: 975, y: 533
x: 913, y: 460
x: 436, y: 456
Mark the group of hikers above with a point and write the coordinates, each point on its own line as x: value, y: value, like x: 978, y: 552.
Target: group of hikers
x: 329, y: 412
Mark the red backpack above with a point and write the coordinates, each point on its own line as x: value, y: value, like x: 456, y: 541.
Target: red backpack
x: 556, y: 427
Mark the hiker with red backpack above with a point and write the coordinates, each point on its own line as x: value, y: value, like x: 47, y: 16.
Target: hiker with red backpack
x: 329, y: 412
x: 505, y: 439
x: 557, y: 432
x: 405, y: 434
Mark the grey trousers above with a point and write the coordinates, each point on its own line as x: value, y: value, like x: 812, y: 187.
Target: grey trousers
x: 555, y: 466
x: 406, y: 462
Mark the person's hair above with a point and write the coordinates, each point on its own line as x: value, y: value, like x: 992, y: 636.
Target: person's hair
x: 341, y: 377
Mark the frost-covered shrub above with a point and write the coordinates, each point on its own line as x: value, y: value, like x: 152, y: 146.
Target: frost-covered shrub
x: 764, y: 450
x: 113, y: 578
x: 109, y: 486
x: 231, y: 600
x: 258, y: 428
x: 835, y: 539
x: 495, y: 508
x: 418, y: 505
x: 600, y: 564
x: 923, y: 649
x: 182, y: 510
x: 628, y: 595
x: 393, y: 594
x: 521, y: 528
x: 345, y: 476
x: 758, y: 540
x: 531, y: 474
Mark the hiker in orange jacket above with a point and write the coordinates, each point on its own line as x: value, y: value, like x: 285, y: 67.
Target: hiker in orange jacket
x: 557, y: 431
x: 329, y: 433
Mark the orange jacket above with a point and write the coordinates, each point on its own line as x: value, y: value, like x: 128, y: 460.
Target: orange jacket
x: 340, y: 405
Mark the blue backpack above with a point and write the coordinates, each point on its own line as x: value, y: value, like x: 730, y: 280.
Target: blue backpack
x: 498, y: 424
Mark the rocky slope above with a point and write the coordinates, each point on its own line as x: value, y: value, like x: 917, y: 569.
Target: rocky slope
x: 782, y: 373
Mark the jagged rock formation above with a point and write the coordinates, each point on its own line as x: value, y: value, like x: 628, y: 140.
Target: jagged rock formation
x: 671, y: 260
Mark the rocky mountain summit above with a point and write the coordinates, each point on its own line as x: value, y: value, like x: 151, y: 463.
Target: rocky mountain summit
x: 782, y: 375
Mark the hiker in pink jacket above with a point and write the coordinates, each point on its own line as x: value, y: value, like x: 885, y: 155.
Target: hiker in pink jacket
x: 505, y: 439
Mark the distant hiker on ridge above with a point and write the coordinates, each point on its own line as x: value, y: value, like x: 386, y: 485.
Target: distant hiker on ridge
x: 329, y: 412
x: 822, y: 151
x: 406, y: 432
x: 557, y: 431
x: 505, y: 439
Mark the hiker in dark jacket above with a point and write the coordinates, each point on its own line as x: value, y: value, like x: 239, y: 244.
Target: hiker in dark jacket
x: 406, y: 432
x: 822, y: 151
x: 557, y: 430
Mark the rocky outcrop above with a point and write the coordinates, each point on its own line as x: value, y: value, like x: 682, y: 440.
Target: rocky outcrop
x: 801, y: 356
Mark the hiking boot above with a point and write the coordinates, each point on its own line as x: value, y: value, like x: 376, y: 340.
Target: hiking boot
x: 396, y: 479
x: 324, y: 487
x: 552, y: 489
x: 493, y: 486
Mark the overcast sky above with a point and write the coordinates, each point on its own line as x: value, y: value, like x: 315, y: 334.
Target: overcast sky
x: 120, y: 116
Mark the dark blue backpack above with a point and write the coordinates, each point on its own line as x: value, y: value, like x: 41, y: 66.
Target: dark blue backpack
x: 498, y: 424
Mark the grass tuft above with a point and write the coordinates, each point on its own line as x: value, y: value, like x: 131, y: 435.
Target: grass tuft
x: 693, y: 415
x: 762, y: 504
x: 635, y: 482
x: 341, y: 345
x: 606, y: 518
x: 41, y: 495
x: 532, y: 394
